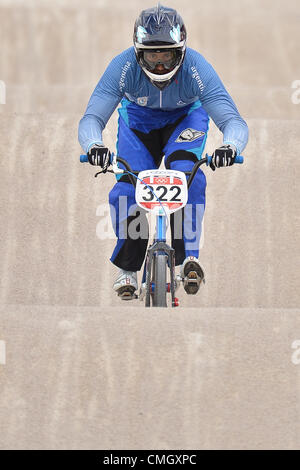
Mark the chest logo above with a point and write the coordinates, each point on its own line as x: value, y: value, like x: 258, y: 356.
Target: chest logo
x: 189, y: 135
x: 142, y: 101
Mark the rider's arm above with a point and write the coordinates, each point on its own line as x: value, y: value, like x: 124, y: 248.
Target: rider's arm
x: 219, y: 105
x: 104, y: 100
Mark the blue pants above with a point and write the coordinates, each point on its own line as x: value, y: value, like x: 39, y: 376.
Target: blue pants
x: 144, y: 137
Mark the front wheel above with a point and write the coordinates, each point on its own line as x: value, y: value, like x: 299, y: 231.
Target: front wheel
x: 159, y: 297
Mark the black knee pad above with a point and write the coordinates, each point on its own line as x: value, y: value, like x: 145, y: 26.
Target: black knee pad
x: 180, y: 155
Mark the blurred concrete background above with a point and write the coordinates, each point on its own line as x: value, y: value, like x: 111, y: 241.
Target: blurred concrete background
x: 79, y: 362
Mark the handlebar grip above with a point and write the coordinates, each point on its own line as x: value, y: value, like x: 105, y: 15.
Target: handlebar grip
x: 238, y: 159
x: 84, y: 158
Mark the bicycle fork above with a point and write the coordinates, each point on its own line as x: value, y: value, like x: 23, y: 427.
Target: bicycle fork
x: 150, y: 278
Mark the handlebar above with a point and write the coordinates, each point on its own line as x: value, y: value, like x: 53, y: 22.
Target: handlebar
x: 238, y: 159
x: 116, y: 170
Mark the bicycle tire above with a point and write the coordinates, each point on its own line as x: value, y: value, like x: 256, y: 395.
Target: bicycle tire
x: 159, y: 298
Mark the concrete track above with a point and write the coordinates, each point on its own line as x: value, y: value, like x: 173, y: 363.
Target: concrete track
x: 84, y: 370
x: 83, y: 377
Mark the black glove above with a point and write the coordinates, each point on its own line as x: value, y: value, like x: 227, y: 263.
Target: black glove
x: 223, y: 156
x: 99, y: 155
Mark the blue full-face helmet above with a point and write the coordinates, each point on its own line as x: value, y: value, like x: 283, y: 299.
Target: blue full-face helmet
x: 160, y: 43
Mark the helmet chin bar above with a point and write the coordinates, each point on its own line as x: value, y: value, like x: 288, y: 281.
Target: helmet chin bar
x: 161, y: 81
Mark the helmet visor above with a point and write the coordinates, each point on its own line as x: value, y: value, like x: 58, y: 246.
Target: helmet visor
x: 164, y: 57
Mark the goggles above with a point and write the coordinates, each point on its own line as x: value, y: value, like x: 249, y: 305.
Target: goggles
x: 166, y: 57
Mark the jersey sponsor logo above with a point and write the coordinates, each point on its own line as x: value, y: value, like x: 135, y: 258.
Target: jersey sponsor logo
x: 123, y: 75
x: 189, y: 135
x: 142, y: 100
x: 180, y: 103
x: 196, y: 76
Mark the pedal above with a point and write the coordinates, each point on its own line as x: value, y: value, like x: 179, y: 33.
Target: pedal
x: 191, y: 283
x: 127, y: 293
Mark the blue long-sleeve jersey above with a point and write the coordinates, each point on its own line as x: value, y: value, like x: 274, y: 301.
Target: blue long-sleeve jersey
x: 195, y: 80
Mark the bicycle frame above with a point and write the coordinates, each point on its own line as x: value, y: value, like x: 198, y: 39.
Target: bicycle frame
x: 161, y: 228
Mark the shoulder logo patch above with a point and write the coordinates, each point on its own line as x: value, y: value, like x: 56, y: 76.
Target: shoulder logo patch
x: 189, y: 135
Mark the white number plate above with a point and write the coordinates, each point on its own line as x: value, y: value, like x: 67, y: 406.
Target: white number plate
x: 161, y: 187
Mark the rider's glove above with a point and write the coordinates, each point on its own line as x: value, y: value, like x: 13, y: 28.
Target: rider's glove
x: 223, y: 156
x: 99, y: 155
